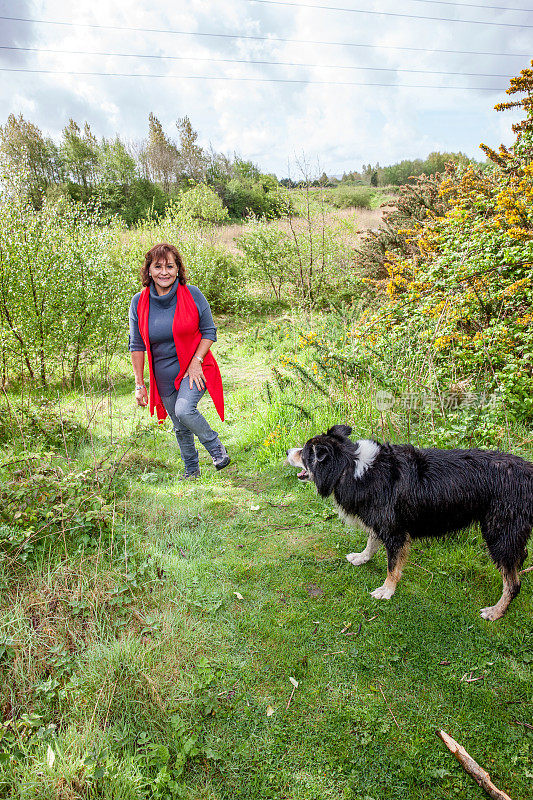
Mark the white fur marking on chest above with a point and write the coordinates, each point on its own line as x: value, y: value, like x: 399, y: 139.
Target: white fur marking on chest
x: 351, y: 519
x: 366, y: 455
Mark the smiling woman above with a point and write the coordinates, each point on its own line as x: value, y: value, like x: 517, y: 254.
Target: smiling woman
x: 173, y: 324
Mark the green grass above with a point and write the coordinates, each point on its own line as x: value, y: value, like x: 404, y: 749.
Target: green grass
x: 152, y: 649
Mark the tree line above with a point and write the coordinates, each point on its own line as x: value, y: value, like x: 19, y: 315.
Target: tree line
x: 397, y: 174
x: 134, y: 179
x: 139, y: 179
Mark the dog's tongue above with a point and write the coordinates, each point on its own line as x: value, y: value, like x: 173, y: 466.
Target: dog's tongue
x: 302, y: 474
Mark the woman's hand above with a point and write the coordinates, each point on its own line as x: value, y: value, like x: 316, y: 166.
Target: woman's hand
x: 195, y: 374
x: 141, y: 396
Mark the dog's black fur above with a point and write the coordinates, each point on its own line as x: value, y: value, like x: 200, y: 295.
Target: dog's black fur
x: 404, y: 493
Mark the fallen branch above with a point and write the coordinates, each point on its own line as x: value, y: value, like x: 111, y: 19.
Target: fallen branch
x: 525, y: 724
x: 390, y: 709
x: 294, y: 687
x: 481, y: 777
x: 468, y: 677
x: 523, y: 571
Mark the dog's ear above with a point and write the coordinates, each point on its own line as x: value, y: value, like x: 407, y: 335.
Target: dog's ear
x: 321, y: 452
x: 340, y: 431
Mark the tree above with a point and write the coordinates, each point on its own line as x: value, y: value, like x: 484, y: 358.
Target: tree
x: 25, y: 149
x: 162, y: 157
x: 369, y: 171
x: 115, y: 164
x: 62, y: 298
x: 193, y: 161
x: 246, y: 170
x: 219, y: 171
x: 80, y: 154
x: 116, y: 177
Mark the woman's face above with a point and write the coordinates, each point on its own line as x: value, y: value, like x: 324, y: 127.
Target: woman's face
x: 164, y: 272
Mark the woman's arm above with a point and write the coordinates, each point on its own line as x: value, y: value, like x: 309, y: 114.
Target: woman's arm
x: 141, y: 395
x: 137, y: 349
x: 194, y: 370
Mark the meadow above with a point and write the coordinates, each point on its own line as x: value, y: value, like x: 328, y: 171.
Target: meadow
x: 208, y: 639
x: 148, y: 651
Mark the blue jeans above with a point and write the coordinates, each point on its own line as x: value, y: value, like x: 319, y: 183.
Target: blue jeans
x: 187, y: 421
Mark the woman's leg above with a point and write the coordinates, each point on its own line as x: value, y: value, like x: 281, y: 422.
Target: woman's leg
x: 186, y: 411
x: 184, y: 435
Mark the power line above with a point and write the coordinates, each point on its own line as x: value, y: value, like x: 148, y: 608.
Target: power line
x: 261, y: 38
x: 471, y: 5
x: 252, y: 61
x: 257, y: 80
x: 389, y: 14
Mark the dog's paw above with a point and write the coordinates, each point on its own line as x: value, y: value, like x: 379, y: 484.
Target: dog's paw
x: 382, y: 593
x: 491, y: 613
x: 357, y: 558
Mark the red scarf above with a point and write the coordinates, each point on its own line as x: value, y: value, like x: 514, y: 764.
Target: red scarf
x: 186, y: 338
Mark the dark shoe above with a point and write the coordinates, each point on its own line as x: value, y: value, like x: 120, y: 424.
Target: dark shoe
x: 190, y: 475
x: 221, y: 458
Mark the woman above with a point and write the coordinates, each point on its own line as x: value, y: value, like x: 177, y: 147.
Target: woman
x: 173, y: 324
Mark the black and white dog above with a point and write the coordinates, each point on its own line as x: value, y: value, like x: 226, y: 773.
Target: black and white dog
x: 399, y: 493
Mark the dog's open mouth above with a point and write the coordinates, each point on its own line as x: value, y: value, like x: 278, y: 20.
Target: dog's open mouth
x: 294, y: 458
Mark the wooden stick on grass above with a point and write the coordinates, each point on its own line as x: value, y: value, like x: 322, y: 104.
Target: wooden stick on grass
x: 480, y: 776
x: 390, y: 709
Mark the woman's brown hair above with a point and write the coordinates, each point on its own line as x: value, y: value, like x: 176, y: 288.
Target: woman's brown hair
x: 159, y: 251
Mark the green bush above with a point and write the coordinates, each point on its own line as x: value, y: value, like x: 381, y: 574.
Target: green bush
x: 44, y: 503
x: 262, y: 199
x: 270, y: 255
x: 203, y: 203
x: 62, y: 298
x: 351, y: 197
x: 42, y: 423
x: 310, y: 264
x: 217, y: 273
x: 133, y: 202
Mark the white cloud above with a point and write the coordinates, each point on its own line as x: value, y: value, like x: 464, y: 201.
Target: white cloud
x: 339, y: 126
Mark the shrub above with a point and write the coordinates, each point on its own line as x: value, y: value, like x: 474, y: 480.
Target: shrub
x: 351, y: 197
x: 42, y: 423
x: 202, y: 203
x: 133, y: 202
x: 308, y: 264
x: 413, y: 205
x: 270, y: 254
x: 62, y: 300
x: 44, y: 503
x: 454, y: 264
x: 244, y: 197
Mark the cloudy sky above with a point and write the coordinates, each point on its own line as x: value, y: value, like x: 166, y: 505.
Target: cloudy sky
x: 342, y: 87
